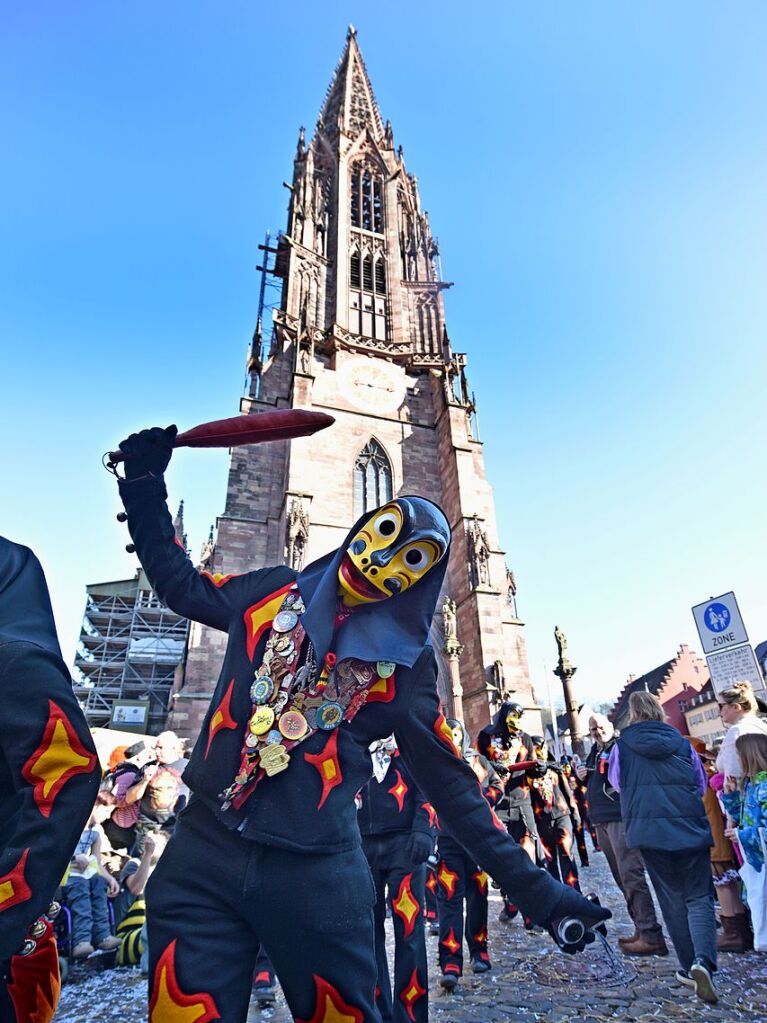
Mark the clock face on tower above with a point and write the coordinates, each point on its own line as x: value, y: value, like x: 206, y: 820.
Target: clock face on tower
x: 371, y: 385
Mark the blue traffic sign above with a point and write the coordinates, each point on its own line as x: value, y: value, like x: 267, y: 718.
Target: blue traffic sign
x: 716, y: 617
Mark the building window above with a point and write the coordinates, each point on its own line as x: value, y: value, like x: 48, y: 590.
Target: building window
x: 366, y: 200
x: 372, y: 479
x: 380, y: 278
x: 355, y: 276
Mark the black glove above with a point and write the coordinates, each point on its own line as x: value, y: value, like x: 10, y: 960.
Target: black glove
x: 148, y: 452
x: 574, y: 906
x: 419, y: 847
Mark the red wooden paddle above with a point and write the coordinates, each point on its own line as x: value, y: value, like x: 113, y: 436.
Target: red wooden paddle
x: 255, y: 428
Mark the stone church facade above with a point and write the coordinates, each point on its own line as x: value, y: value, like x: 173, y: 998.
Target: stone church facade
x: 360, y: 333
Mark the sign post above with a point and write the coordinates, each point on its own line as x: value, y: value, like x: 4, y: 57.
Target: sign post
x: 723, y: 635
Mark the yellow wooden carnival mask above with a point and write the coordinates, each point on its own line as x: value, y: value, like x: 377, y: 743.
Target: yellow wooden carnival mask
x: 394, y: 548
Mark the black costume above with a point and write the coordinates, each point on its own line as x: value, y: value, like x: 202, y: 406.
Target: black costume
x: 49, y: 777
x: 277, y: 855
x: 459, y: 879
x: 555, y: 815
x: 504, y: 743
x: 398, y: 834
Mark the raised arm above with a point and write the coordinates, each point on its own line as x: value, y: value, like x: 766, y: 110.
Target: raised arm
x: 425, y: 742
x: 195, y: 595
x: 49, y: 769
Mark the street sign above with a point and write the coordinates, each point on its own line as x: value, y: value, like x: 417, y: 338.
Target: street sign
x: 719, y: 623
x: 735, y: 665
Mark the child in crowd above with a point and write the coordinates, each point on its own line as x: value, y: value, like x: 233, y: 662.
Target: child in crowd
x: 747, y: 804
x: 87, y: 885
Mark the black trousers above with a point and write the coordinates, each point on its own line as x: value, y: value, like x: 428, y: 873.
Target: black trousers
x: 557, y: 836
x: 214, y: 895
x: 460, y: 880
x: 430, y: 893
x: 400, y: 885
x: 685, y: 890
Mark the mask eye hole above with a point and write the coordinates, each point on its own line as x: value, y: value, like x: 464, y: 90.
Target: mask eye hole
x: 417, y: 558
x: 386, y: 524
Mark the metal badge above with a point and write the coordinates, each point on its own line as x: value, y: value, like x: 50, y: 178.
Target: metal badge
x: 261, y: 689
x: 261, y: 721
x: 273, y: 737
x: 329, y: 716
x: 251, y: 740
x: 293, y: 725
x: 274, y: 759
x: 385, y: 669
x: 284, y: 621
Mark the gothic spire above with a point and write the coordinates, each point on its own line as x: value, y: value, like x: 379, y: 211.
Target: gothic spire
x: 350, y: 104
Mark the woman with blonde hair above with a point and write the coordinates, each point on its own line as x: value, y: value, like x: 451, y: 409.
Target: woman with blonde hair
x: 737, y: 709
x: 661, y: 781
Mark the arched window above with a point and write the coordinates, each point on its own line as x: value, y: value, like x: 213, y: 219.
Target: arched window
x: 366, y: 199
x: 355, y: 273
x: 380, y: 277
x: 367, y: 273
x: 372, y: 479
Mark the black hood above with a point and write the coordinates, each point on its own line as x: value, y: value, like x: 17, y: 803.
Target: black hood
x: 653, y: 739
x: 395, y: 629
x: 26, y: 615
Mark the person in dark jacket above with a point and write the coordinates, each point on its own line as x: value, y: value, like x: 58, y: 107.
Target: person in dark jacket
x: 317, y: 666
x: 398, y: 836
x: 661, y: 781
x: 49, y: 778
x: 626, y: 865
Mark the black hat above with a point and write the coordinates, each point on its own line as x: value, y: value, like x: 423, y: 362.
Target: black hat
x: 135, y: 749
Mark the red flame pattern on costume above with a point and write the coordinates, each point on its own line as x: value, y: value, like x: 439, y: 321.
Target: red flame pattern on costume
x: 221, y: 718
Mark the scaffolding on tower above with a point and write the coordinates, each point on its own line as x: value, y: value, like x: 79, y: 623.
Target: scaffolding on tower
x: 269, y: 300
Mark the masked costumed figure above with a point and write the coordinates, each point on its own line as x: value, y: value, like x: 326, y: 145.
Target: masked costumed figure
x: 579, y: 794
x: 555, y: 813
x: 398, y: 836
x: 49, y: 777
x: 504, y: 743
x: 317, y: 666
x: 460, y: 879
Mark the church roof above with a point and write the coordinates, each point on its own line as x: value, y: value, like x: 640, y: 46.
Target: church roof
x: 350, y: 104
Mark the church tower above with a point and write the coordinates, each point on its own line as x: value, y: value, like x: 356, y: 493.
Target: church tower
x: 359, y: 332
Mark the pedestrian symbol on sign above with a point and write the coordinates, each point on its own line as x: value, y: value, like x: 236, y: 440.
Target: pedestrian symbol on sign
x: 716, y: 617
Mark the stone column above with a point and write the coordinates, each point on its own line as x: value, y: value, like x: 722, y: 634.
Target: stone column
x: 565, y: 671
x: 453, y: 650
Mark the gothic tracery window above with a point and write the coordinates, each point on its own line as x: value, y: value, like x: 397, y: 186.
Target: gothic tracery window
x: 367, y: 199
x: 372, y: 478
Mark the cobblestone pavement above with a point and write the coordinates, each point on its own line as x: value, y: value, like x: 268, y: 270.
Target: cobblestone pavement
x: 531, y: 982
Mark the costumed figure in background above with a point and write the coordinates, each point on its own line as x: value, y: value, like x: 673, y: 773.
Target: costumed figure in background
x: 49, y: 777
x: 398, y: 836
x: 318, y: 665
x: 556, y: 814
x: 504, y: 743
x: 460, y: 879
x: 579, y: 794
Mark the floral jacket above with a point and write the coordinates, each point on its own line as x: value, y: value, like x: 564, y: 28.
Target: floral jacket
x: 751, y: 811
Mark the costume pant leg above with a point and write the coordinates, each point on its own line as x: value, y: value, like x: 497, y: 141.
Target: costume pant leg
x: 314, y: 914
x: 372, y: 848
x: 212, y: 897
x: 633, y: 883
x: 548, y: 837
x: 450, y: 895
x: 430, y: 895
x: 78, y: 896
x: 563, y: 836
x: 476, y: 911
x: 202, y: 945
x: 264, y: 969
x: 405, y: 883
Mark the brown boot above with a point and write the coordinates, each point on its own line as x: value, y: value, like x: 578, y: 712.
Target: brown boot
x: 629, y: 939
x: 736, y: 934
x: 640, y: 947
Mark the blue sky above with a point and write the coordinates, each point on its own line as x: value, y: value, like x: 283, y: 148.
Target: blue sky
x: 595, y: 174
